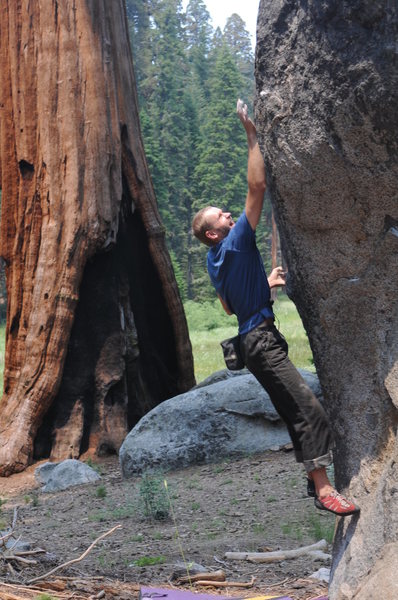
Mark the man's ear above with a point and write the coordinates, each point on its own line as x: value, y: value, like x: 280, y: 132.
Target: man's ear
x: 211, y: 234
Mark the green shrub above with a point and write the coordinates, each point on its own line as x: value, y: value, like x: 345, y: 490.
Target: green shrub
x: 100, y: 492
x: 154, y: 497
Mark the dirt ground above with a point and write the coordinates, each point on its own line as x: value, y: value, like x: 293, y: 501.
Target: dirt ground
x: 255, y: 503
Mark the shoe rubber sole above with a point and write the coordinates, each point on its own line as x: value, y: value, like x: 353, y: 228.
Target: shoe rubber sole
x: 348, y: 513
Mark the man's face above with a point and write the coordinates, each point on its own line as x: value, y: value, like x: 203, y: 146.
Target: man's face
x: 220, y: 222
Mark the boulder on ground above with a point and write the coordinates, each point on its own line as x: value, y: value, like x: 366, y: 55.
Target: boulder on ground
x: 229, y: 418
x: 63, y: 475
x: 225, y: 374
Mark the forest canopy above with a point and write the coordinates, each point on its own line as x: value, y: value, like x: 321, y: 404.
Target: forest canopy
x: 188, y: 78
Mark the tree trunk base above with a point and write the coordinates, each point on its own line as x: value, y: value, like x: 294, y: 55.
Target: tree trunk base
x: 115, y: 368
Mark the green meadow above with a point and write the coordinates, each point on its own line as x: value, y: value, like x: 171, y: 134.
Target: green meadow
x: 208, y: 324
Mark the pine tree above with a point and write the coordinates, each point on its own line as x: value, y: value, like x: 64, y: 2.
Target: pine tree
x: 221, y: 170
x: 170, y: 129
x: 141, y: 39
x: 238, y: 39
x: 223, y: 154
x: 199, y: 33
x: 189, y: 78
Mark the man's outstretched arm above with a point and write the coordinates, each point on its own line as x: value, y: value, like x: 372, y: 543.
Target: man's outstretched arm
x: 255, y: 169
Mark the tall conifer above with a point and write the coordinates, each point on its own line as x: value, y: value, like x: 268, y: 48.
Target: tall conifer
x: 189, y: 77
x: 238, y: 39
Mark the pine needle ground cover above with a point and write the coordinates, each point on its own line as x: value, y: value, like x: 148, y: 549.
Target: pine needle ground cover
x: 209, y: 324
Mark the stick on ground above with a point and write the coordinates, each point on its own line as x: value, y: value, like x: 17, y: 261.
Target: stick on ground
x: 75, y: 560
x: 269, y: 557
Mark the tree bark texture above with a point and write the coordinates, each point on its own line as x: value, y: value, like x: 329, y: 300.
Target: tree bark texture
x: 327, y: 116
x: 96, y: 334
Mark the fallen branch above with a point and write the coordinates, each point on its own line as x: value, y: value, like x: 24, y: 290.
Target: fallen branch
x: 279, y: 555
x: 76, y: 560
x: 5, y: 537
x: 213, y: 576
x: 21, y: 559
x: 237, y: 584
x: 30, y: 552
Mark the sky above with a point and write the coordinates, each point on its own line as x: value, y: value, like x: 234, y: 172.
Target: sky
x: 220, y: 10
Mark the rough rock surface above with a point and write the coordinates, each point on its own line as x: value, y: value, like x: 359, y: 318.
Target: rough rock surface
x: 228, y: 418
x: 327, y: 117
x: 66, y: 474
x: 226, y: 375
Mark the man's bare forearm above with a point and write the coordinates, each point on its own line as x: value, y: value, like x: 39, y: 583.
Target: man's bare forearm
x: 255, y: 169
x: 255, y: 166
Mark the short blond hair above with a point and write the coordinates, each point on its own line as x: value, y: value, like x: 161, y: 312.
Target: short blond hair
x: 200, y: 224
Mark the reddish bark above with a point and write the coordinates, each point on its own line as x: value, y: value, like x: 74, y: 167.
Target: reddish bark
x: 96, y: 334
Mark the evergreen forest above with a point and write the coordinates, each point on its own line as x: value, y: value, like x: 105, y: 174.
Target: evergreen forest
x: 189, y: 77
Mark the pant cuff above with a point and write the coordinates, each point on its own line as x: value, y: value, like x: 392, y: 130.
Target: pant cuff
x: 318, y: 463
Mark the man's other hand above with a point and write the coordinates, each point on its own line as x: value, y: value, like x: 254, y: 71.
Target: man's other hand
x: 277, y: 277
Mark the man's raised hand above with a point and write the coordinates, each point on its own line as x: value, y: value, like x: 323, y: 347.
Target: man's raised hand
x: 241, y: 109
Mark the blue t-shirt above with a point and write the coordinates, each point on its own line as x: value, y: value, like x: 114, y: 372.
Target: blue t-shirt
x: 237, y: 272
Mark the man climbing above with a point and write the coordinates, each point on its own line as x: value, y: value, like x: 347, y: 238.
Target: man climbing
x: 237, y: 272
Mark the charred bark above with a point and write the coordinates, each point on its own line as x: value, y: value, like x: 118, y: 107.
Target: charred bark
x: 96, y: 334
x: 327, y: 114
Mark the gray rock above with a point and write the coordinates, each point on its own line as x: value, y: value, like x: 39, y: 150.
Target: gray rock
x: 15, y: 543
x: 225, y: 374
x: 180, y: 569
x: 43, y: 472
x: 323, y: 574
x: 221, y: 375
x: 225, y: 419
x: 327, y: 121
x: 65, y: 474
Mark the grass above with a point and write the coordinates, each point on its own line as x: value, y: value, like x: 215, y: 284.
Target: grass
x: 258, y: 528
x: 113, y: 514
x: 316, y: 526
x: 293, y: 530
x: 146, y: 561
x: 137, y: 538
x: 94, y: 466
x: 101, y: 492
x: 294, y: 332
x: 321, y: 527
x: 208, y: 324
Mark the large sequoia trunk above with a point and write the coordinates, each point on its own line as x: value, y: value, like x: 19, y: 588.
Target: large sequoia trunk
x: 327, y: 114
x: 96, y: 334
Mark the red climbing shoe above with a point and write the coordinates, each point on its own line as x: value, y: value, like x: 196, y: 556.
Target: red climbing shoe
x: 337, y: 504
